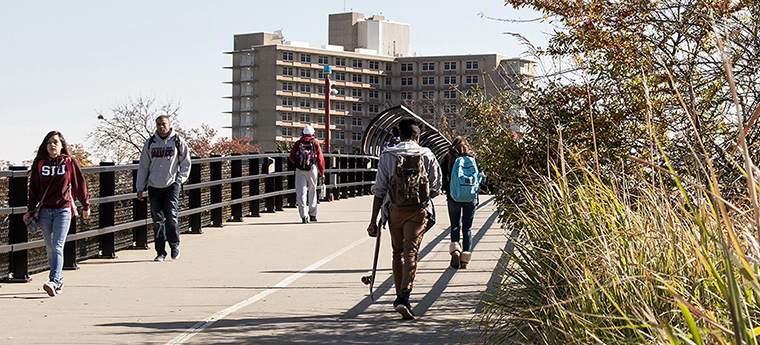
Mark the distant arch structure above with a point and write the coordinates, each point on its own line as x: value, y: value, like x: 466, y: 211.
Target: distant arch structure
x: 379, y: 132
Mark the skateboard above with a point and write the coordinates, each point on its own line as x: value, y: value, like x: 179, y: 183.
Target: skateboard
x: 370, y: 279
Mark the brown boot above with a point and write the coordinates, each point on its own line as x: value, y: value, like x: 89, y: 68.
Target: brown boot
x: 455, y: 249
x: 465, y: 259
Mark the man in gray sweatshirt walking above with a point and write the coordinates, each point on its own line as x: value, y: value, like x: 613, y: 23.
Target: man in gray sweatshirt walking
x: 164, y: 167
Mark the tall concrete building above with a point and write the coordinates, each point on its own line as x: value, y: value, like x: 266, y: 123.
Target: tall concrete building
x: 278, y: 86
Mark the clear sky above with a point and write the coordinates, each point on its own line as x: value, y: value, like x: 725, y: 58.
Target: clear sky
x: 61, y: 61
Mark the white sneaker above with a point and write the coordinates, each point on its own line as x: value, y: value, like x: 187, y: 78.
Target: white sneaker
x: 49, y: 287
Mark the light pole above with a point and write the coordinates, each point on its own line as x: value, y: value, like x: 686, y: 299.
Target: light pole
x: 329, y: 90
x: 328, y: 70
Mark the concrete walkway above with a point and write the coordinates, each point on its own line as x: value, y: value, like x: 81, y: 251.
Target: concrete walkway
x: 267, y: 280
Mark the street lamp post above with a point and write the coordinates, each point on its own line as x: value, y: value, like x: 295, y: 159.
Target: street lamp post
x: 328, y: 70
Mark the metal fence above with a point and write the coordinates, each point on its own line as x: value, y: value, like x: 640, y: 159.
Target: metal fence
x: 219, y: 189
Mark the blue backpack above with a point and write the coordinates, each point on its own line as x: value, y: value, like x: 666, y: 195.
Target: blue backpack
x: 465, y: 180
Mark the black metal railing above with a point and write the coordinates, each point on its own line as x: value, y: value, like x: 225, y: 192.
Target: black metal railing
x: 219, y: 188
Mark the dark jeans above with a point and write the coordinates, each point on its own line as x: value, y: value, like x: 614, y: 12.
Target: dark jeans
x: 461, y: 215
x: 164, y: 203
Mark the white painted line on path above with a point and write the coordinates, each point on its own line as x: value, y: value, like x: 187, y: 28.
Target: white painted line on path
x: 200, y: 326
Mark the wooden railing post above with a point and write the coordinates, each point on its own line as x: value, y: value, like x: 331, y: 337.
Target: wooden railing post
x: 236, y: 188
x: 196, y: 226
x: 107, y: 212
x: 216, y: 192
x: 139, y: 212
x: 278, y: 184
x: 254, y: 168
x: 19, y: 262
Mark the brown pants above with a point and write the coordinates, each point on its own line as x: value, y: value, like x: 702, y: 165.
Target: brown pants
x: 406, y: 228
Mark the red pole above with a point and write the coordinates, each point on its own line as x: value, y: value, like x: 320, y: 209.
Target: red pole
x: 327, y: 110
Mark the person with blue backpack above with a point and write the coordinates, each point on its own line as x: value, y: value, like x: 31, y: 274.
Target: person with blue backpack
x: 461, y: 181
x: 307, y: 156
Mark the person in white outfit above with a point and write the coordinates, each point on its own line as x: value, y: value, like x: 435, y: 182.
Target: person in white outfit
x: 307, y: 156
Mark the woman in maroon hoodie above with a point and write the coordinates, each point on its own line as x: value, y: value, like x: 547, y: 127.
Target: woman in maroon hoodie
x: 56, y: 181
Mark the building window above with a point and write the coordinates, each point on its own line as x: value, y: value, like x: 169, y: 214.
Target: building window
x: 406, y: 95
x: 373, y: 108
x: 373, y: 79
x: 356, y: 136
x: 471, y: 79
x: 287, y: 117
x: 357, y: 78
x: 340, y: 61
x: 374, y: 94
x: 374, y: 65
x: 287, y: 101
x: 287, y: 71
x: 451, y: 80
x: 320, y: 104
x: 428, y: 109
x: 321, y: 134
x: 340, y: 105
x: 287, y: 86
x: 305, y: 73
x: 341, y: 91
x: 357, y: 63
x: 449, y: 94
x: 450, y: 66
x: 356, y: 92
x: 356, y: 121
x: 306, y: 58
x: 388, y: 66
x: 305, y: 103
x: 388, y: 96
x: 427, y: 95
x: 305, y: 88
x: 356, y: 107
x: 340, y: 120
x: 407, y: 81
x: 471, y: 65
x: 340, y: 76
x: 287, y: 56
x: 428, y: 80
x: 340, y: 135
x: 450, y: 109
x: 428, y: 66
x: 321, y: 120
x: 321, y: 75
x: 387, y: 81
x: 321, y: 89
x: 323, y: 60
x: 286, y: 131
x: 305, y: 118
x: 407, y: 67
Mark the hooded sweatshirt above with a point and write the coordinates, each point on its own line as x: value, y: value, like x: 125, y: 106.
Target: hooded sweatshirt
x: 160, y: 163
x: 65, y: 178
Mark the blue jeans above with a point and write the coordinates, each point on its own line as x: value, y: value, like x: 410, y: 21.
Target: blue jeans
x: 164, y: 203
x: 55, y: 224
x: 461, y: 215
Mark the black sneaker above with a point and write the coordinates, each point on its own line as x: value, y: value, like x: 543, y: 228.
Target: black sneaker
x: 175, y: 253
x: 312, y: 218
x: 304, y: 220
x: 396, y: 302
x: 405, y: 310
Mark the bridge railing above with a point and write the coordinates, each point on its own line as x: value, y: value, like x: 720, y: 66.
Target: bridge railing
x: 219, y: 188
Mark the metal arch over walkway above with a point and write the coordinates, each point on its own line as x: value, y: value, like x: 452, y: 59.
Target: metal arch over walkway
x: 378, y: 132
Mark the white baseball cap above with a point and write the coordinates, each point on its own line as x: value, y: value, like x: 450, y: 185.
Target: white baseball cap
x: 308, y: 130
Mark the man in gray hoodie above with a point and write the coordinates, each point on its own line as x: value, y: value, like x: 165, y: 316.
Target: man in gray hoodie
x: 406, y: 223
x: 164, y: 167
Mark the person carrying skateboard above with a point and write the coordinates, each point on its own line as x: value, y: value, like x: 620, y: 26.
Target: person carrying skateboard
x: 408, y: 178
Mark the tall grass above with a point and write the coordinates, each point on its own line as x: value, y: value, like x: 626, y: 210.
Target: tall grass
x: 626, y: 261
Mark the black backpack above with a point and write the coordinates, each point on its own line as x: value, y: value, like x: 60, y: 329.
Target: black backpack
x: 306, y: 154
